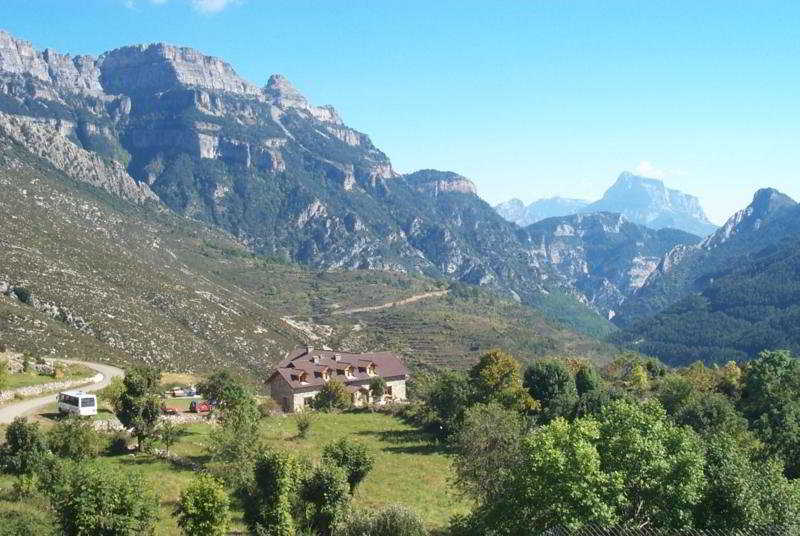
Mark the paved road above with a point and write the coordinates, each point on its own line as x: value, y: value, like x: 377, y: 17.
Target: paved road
x: 10, y: 412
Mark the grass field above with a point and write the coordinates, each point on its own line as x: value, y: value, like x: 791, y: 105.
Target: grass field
x: 409, y: 468
x: 25, y: 379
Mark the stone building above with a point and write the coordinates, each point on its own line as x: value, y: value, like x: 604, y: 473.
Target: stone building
x: 300, y: 376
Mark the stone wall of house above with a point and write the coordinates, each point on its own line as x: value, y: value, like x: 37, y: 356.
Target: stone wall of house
x: 398, y: 389
x: 279, y: 389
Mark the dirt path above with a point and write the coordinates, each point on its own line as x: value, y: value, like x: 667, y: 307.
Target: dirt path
x: 412, y: 299
x: 11, y: 411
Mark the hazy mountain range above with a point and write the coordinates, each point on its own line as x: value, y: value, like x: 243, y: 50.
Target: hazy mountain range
x: 642, y: 200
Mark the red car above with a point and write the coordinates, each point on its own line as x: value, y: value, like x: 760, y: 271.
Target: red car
x: 199, y: 407
x: 168, y: 410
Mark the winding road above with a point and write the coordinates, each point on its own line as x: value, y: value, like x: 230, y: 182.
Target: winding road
x: 12, y: 411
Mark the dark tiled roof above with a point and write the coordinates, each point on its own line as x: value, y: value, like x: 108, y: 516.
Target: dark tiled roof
x: 291, y: 369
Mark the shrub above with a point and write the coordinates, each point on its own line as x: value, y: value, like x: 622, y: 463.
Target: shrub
x: 326, y: 493
x: 96, y: 500
x: 3, y: 375
x: 267, y: 407
x: 25, y: 448
x: 169, y: 433
x: 112, y: 392
x: 204, y: 508
x: 269, y: 499
x: 76, y: 438
x: 352, y: 457
x: 393, y: 520
x: 332, y: 396
x: 377, y: 387
x: 304, y: 420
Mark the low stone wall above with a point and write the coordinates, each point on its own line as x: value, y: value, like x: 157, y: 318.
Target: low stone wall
x: 33, y: 390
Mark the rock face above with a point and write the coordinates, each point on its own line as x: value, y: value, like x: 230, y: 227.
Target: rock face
x: 648, y: 202
x: 603, y: 256
x: 770, y: 219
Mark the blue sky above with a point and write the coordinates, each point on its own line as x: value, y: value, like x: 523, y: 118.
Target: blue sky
x: 527, y: 98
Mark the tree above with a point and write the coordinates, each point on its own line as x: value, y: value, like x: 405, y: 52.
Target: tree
x: 497, y: 377
x: 587, y: 379
x: 709, y: 414
x: 674, y: 391
x: 237, y: 440
x: 93, y: 499
x: 169, y: 433
x: 25, y: 448
x: 326, y: 494
x: 640, y: 380
x: 354, y: 458
x: 550, y: 383
x: 771, y: 402
x: 559, y: 482
x: 488, y: 450
x: 138, y: 407
x: 591, y: 403
x: 743, y: 491
x: 76, y: 438
x: 447, y: 399
x: 224, y: 388
x: 112, y: 392
x: 392, y: 520
x: 332, y: 396
x: 204, y: 508
x: 377, y: 387
x: 269, y: 498
x: 661, y: 464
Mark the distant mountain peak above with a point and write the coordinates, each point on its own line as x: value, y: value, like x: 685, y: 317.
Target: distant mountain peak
x: 766, y: 202
x: 647, y: 201
x: 516, y: 211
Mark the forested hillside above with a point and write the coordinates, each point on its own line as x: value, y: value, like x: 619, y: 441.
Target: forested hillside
x: 752, y: 306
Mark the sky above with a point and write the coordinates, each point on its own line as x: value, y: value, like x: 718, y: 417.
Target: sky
x: 529, y: 99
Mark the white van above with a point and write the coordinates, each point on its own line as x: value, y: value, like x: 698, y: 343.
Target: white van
x: 77, y: 403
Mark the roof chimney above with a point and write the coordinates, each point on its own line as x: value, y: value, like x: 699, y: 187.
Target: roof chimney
x: 337, y: 357
x: 309, y: 348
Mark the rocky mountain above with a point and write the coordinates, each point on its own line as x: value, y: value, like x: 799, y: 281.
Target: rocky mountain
x: 770, y: 219
x: 168, y: 126
x: 730, y: 297
x: 603, y: 256
x: 641, y: 200
x: 87, y: 274
x: 648, y: 202
x: 516, y: 211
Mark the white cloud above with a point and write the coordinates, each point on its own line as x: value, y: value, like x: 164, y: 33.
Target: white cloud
x: 647, y: 169
x: 212, y: 6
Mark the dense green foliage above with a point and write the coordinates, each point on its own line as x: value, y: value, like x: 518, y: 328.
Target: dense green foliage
x: 138, y: 406
x: 552, y: 385
x: 25, y: 447
x: 90, y: 500
x: 269, y: 500
x: 352, y: 457
x: 332, y: 396
x: 326, y: 495
x: 76, y: 438
x: 204, y: 508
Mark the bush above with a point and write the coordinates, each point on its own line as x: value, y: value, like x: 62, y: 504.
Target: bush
x: 353, y: 458
x: 93, y: 499
x: 326, y: 493
x: 76, y: 439
x: 269, y: 499
x: 25, y: 448
x: 392, y: 520
x: 304, y: 420
x: 204, y: 508
x: 332, y: 396
x: 267, y: 407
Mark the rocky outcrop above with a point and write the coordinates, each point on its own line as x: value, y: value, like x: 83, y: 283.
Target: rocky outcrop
x: 433, y: 182
x: 603, y: 256
x: 47, y: 139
